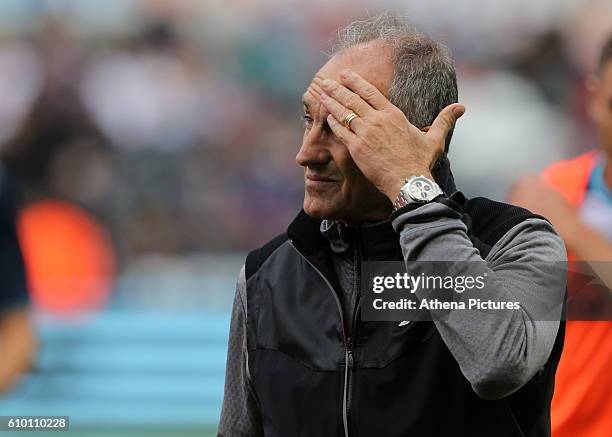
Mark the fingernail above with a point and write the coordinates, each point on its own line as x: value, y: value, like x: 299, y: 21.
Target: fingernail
x: 327, y: 83
x: 458, y: 111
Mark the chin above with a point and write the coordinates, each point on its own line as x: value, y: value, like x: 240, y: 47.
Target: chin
x: 318, y: 213
x: 320, y: 209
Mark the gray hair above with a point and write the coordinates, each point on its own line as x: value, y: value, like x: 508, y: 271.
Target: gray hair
x: 424, y: 80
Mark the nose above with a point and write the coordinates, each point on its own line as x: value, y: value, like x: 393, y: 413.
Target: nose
x: 313, y: 151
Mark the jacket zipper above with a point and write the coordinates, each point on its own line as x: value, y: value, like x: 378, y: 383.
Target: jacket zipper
x: 351, y: 341
x: 348, y: 344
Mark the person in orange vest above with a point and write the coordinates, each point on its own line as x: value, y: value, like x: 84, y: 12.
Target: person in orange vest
x: 576, y: 196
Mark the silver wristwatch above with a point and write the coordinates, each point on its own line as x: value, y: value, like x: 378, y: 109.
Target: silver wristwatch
x: 417, y: 189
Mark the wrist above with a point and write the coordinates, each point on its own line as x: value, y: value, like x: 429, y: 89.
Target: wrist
x: 396, y: 182
x: 393, y: 189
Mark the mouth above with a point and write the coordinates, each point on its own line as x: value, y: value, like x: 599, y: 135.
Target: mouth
x: 314, y: 178
x: 319, y: 183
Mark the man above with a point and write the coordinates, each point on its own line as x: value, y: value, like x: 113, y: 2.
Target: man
x: 17, y: 341
x: 301, y: 360
x: 576, y: 196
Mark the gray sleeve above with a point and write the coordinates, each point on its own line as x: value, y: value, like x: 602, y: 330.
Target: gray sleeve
x: 240, y: 414
x: 497, y: 351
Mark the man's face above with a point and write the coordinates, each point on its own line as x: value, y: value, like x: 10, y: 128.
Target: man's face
x: 335, y: 188
x: 601, y: 106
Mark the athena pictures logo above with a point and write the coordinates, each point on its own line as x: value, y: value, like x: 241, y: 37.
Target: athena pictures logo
x: 424, y: 291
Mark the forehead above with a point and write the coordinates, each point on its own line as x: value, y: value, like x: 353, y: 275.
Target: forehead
x: 372, y: 61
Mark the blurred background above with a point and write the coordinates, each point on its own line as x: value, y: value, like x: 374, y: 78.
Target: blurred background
x: 151, y: 143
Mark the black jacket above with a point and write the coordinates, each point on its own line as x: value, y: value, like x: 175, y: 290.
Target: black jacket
x: 312, y: 379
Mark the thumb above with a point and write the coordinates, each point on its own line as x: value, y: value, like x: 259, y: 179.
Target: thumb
x: 445, y: 121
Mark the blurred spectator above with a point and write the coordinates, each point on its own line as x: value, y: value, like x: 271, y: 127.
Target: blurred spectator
x: 524, y: 129
x: 55, y: 119
x: 173, y: 122
x: 576, y: 196
x: 17, y: 341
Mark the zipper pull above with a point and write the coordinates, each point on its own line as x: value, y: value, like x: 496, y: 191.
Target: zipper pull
x: 349, y: 350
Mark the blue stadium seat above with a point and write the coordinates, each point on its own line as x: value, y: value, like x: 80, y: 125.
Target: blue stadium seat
x: 127, y: 369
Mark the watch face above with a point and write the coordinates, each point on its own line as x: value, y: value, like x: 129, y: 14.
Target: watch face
x: 421, y: 189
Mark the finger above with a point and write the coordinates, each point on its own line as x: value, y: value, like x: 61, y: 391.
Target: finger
x: 346, y: 97
x: 340, y: 112
x: 445, y: 121
x: 342, y: 132
x: 364, y: 89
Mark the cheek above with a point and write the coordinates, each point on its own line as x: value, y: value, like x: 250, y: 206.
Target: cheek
x: 358, y: 192
x: 344, y: 162
x: 348, y: 190
x: 354, y: 180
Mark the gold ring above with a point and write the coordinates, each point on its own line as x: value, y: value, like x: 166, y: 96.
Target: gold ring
x: 350, y: 117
